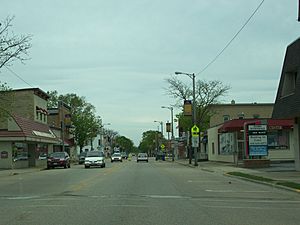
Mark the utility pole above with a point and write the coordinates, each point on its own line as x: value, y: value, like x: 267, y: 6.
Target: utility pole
x: 172, y: 129
x: 192, y: 76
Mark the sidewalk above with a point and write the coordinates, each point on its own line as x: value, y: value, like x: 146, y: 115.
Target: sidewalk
x: 13, y: 172
x: 278, y: 172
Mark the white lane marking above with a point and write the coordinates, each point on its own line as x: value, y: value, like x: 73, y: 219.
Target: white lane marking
x: 130, y: 206
x: 232, y: 191
x: 21, y: 197
x: 168, y: 196
x: 203, y: 181
x: 37, y: 206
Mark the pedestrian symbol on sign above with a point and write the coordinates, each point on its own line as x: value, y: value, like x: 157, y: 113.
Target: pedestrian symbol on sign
x: 195, y: 131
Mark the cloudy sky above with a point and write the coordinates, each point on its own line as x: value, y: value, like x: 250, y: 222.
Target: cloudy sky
x: 118, y: 53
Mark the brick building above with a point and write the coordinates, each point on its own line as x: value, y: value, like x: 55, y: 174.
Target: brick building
x: 24, y: 133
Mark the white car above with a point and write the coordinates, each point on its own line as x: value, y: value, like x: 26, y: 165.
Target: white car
x: 142, y: 157
x: 116, y: 157
x: 94, y: 158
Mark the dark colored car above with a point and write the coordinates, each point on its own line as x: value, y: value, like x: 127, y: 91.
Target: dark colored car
x: 82, y: 156
x: 160, y: 156
x: 58, y: 159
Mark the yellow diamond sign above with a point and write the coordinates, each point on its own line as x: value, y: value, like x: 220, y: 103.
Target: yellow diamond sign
x: 195, y: 131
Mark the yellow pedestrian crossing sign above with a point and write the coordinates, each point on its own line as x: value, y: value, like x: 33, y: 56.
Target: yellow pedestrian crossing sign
x: 195, y: 131
x: 162, y: 146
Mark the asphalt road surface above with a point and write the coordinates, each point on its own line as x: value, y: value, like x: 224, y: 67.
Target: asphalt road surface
x: 158, y: 193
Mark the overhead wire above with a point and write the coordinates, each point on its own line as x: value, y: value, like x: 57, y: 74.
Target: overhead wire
x: 14, y: 73
x: 232, y: 39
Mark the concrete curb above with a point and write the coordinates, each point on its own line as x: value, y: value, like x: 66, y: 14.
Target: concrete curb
x: 274, y: 185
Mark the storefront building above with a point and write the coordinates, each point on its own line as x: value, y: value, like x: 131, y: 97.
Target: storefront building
x: 229, y: 142
x: 25, y: 143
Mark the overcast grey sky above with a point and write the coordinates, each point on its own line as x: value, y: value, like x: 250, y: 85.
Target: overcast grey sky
x: 118, y: 53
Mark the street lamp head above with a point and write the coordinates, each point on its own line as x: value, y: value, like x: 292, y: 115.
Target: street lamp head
x: 177, y: 73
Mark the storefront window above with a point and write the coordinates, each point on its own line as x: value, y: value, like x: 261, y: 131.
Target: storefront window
x: 278, y: 139
x: 42, y: 151
x: 20, y: 151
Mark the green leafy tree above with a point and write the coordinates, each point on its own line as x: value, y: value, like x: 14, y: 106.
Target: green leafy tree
x: 149, y: 141
x: 83, y: 116
x: 124, y: 143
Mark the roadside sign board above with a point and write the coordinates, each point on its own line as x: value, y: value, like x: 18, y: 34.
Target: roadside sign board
x: 162, y: 146
x: 195, y: 131
x: 258, y: 140
x: 195, y: 141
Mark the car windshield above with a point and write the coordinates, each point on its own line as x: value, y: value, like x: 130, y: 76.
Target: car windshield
x: 83, y: 154
x: 57, y: 155
x: 95, y: 154
x: 117, y: 154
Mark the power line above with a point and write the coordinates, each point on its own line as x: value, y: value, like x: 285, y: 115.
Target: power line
x: 14, y: 73
x: 227, y: 45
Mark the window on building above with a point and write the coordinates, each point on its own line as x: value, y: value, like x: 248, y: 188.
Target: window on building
x: 278, y: 139
x: 41, y: 117
x: 289, y: 84
x: 241, y: 116
x: 226, y: 118
x: 213, y: 148
x: 256, y: 116
x: 20, y: 151
x: 37, y: 115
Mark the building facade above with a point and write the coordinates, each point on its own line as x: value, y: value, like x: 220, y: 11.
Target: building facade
x: 287, y: 103
x: 25, y: 137
x: 228, y: 135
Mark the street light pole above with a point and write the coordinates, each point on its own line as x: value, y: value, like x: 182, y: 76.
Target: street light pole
x: 172, y: 128
x: 161, y: 126
x: 192, y: 76
x: 157, y: 137
x: 101, y: 134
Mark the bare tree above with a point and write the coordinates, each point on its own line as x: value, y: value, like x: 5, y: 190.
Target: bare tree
x: 12, y: 47
x: 206, y: 92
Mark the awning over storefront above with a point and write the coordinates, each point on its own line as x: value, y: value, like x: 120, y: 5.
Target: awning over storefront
x: 28, y: 130
x: 238, y: 124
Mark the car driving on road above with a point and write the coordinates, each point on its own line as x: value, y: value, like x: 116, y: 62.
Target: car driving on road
x: 58, y: 159
x: 142, y: 157
x: 116, y: 157
x: 94, y: 158
x: 82, y: 157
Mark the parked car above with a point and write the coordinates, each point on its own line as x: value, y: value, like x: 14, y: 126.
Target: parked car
x: 142, y: 157
x: 116, y: 157
x: 94, y: 158
x: 124, y: 155
x: 58, y: 159
x: 160, y: 156
x: 81, y: 157
x: 43, y: 156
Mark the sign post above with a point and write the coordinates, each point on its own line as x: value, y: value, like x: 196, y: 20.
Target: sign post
x: 195, y: 141
x: 258, y: 140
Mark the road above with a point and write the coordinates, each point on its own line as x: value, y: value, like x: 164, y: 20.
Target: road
x: 158, y: 193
